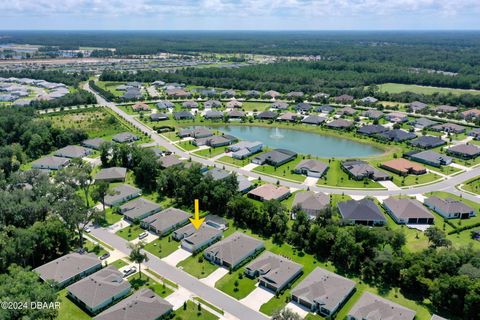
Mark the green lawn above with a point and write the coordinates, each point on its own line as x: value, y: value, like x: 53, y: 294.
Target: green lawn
x: 95, y: 248
x: 69, y: 310
x: 129, y: 233
x: 259, y: 106
x: 171, y: 136
x: 336, y: 177
x: 233, y: 161
x: 197, y: 266
x: 210, y: 152
x: 111, y: 217
x: 162, y: 247
x: 412, y: 180
x: 460, y: 222
x: 187, y: 145
x: 397, y: 88
x: 147, y: 282
x: 236, y: 284
x: 119, y: 264
x: 192, y: 313
x: 284, y: 171
x: 473, y: 185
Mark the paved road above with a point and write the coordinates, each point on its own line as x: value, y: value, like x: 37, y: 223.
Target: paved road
x: 183, y: 279
x: 444, y: 185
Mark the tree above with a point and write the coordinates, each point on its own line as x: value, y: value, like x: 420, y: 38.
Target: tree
x: 99, y: 193
x: 437, y: 237
x: 285, y: 314
x: 78, y: 176
x: 137, y: 255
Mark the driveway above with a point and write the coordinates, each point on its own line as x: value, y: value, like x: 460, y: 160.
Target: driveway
x: 310, y: 181
x: 257, y: 298
x: 214, y: 277
x: 250, y: 167
x: 178, y: 297
x: 151, y: 237
x: 389, y: 185
x: 175, y: 257
x: 300, y: 310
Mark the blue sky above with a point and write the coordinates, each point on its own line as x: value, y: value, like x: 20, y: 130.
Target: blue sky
x: 240, y: 14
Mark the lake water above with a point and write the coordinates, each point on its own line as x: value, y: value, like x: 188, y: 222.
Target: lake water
x: 303, y: 142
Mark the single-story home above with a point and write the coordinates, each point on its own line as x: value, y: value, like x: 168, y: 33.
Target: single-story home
x: 407, y: 211
x: 232, y: 104
x: 371, y: 306
x: 235, y: 114
x: 422, y: 123
x: 213, y: 114
x: 416, y: 106
x: 344, y: 98
x: 139, y: 209
x: 168, y: 161
x: 69, y: 268
x: 216, y: 222
x: 323, y: 292
x: 346, y: 111
x: 449, y: 127
x: 403, y: 167
x: 100, y: 289
x: 449, y: 208
x: 140, y: 106
x: 279, y: 105
x: 303, y: 107
x: 195, y: 240
x: 125, y: 137
x: 267, y: 115
x: 472, y: 113
x: 371, y: 129
x: 396, y: 117
x: 311, y: 203
x: 121, y: 194
x: 232, y: 251
x: 73, y: 152
x: 272, y: 94
x: 190, y: 104
x: 182, y: 115
x: 142, y: 305
x: 165, y: 221
x: 313, y: 119
x: 158, y: 116
x: 267, y: 192
x: 50, y: 163
x: 274, y: 272
x: 360, y: 170
x: 275, y: 157
x: 311, y: 168
x: 213, y: 141
x: 212, y: 104
x: 325, y: 109
x: 369, y: 100
x: 429, y: 157
x: 195, y: 133
x: 340, y: 124
x: 245, y: 149
x: 113, y: 174
x: 427, y: 142
x: 464, y: 151
x: 94, y: 143
x: 442, y: 109
x: 289, y: 117
x: 363, y: 211
x: 373, y: 114
x: 165, y: 104
x: 397, y: 135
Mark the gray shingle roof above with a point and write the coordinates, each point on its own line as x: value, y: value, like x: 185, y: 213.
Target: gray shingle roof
x: 427, y: 142
x: 325, y: 288
x: 99, y: 287
x: 121, y: 192
x: 142, y: 305
x: 94, y: 143
x: 167, y: 219
x: 313, y: 119
x: 113, y: 173
x: 169, y: 160
x: 50, y: 162
x: 67, y: 266
x: 136, y: 208
x: 372, y: 307
x: 234, y: 248
x: 73, y: 152
x: 124, y: 137
x: 407, y: 208
x: 197, y: 237
x: 364, y: 209
x: 465, y: 150
x: 312, y: 165
x: 449, y: 205
x: 311, y: 202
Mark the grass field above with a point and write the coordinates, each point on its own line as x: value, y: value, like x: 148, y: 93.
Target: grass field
x: 147, y: 282
x: 236, y: 284
x: 130, y: 232
x: 210, y: 152
x: 69, y: 310
x: 197, y: 266
x: 162, y: 247
x: 397, y: 88
x: 192, y: 313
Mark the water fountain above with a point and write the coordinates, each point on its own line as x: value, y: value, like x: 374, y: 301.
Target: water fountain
x: 276, y: 134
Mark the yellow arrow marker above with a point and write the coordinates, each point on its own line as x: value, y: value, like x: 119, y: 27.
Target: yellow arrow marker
x: 196, y: 220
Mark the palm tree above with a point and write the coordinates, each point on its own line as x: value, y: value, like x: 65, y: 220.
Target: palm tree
x: 137, y: 255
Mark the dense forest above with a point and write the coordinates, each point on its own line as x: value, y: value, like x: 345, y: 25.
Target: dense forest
x: 70, y: 79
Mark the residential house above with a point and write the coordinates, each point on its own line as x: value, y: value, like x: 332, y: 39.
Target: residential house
x: 125, y: 137
x: 313, y: 119
x: 272, y: 94
x: 164, y: 105
x: 303, y: 107
x: 403, y: 167
x: 216, y: 222
x: 397, y: 135
x: 228, y: 93
x: 373, y: 114
x: 320, y: 96
x: 423, y: 123
x: 122, y: 193
x: 99, y: 290
x: 449, y: 208
x: 232, y: 251
x: 311, y: 168
x: 289, y: 116
x: 416, y: 106
x: 69, y: 268
x: 195, y: 240
x: 213, y: 115
x: 431, y: 158
x: 253, y: 94
x: 190, y: 104
x: 363, y: 211
x: 274, y: 272
x: 165, y: 221
x: 113, y: 174
x: 373, y: 307
x: 232, y: 104
x: 139, y: 209
x: 471, y: 114
x: 235, y: 114
x: 475, y: 133
x: 407, y: 211
x: 396, y: 117
x: 295, y: 94
x: 325, y: 109
x: 50, y: 163
x: 359, y: 170
x: 195, y: 133
x: 183, y: 115
x: 311, y: 203
x: 142, y: 305
x: 369, y: 100
x: 267, y: 192
x: 178, y: 93
x: 344, y: 98
x: 464, y: 151
x: 213, y: 141
x: 427, y: 142
x: 340, y: 124
x: 94, y: 143
x: 346, y: 111
x: 212, y: 104
x: 449, y: 127
x: 168, y: 161
x: 323, y: 292
x: 245, y: 149
x: 371, y: 129
x: 443, y: 109
x: 72, y: 152
x: 279, y: 105
x: 157, y: 116
x: 275, y: 157
x: 140, y: 106
x: 267, y: 115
